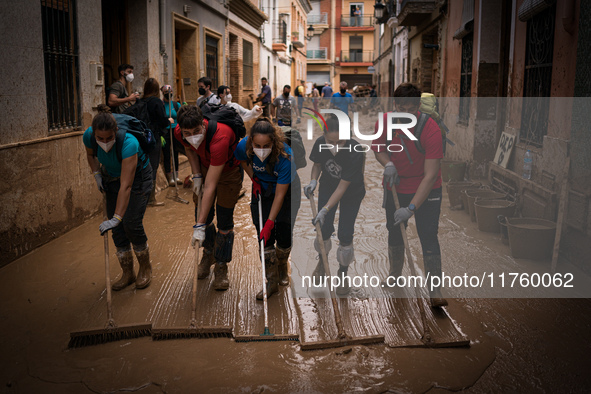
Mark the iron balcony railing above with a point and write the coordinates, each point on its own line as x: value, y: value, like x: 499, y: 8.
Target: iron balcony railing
x: 356, y: 56
x: 321, y: 19
x: 280, y: 32
x: 357, y: 21
x: 316, y: 54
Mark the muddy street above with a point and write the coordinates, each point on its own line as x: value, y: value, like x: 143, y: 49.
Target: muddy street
x: 516, y: 345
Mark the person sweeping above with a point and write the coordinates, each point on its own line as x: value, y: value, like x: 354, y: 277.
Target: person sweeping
x: 122, y: 171
x: 341, y: 185
x: 268, y: 161
x: 417, y: 175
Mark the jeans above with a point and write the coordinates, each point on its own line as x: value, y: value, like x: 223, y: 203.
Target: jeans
x: 131, y: 229
x: 284, y: 222
x: 348, y: 210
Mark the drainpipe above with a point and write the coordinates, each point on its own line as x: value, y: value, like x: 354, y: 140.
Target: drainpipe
x: 333, y: 22
x: 162, y: 4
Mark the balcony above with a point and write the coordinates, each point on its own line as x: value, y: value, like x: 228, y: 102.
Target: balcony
x: 356, y: 57
x: 280, y: 36
x: 317, y: 54
x: 298, y: 38
x: 362, y: 22
x: 416, y: 12
x: 321, y: 19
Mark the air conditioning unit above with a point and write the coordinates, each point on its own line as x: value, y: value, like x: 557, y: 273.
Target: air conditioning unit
x: 337, y: 59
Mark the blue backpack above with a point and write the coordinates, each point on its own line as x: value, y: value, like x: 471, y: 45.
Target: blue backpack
x: 133, y: 126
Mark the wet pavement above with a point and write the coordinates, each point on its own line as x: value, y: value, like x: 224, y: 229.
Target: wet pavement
x: 517, y: 345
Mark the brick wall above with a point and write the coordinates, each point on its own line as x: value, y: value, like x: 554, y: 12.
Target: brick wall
x: 235, y: 37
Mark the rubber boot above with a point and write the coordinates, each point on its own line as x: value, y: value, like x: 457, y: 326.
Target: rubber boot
x: 396, y: 259
x: 170, y: 179
x: 319, y: 270
x: 152, y: 200
x: 144, y: 275
x: 345, y: 255
x: 282, y: 271
x: 220, y: 281
x: 433, y: 267
x: 345, y: 285
x: 127, y: 277
x: 178, y: 180
x: 271, y: 273
x: 208, y: 259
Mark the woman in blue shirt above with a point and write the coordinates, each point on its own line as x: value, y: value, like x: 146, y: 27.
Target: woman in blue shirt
x: 267, y: 160
x: 127, y: 185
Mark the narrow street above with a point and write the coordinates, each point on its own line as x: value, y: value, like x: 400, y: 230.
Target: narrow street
x: 516, y: 345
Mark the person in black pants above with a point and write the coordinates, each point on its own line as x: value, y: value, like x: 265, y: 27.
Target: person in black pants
x: 170, y: 109
x: 342, y: 184
x: 268, y: 161
x: 158, y: 122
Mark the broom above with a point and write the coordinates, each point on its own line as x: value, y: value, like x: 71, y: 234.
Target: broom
x: 266, y: 335
x: 111, y: 332
x: 342, y: 339
x: 193, y: 330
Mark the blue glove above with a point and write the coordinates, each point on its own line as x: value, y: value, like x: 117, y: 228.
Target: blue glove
x: 110, y: 224
x: 320, y: 217
x: 402, y: 215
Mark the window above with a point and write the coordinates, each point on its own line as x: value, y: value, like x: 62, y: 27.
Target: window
x: 538, y: 77
x: 356, y: 48
x: 60, y: 56
x: 247, y: 64
x: 211, y: 59
x: 466, y: 77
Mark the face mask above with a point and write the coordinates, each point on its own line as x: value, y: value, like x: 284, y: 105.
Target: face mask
x: 286, y: 94
x: 343, y: 91
x: 106, y: 146
x: 167, y: 96
x: 202, y: 91
x: 228, y: 98
x: 129, y: 77
x: 262, y: 154
x: 195, y: 140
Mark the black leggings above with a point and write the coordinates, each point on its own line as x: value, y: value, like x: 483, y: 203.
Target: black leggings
x: 177, y: 148
x: 348, y: 210
x: 284, y: 222
x: 426, y: 217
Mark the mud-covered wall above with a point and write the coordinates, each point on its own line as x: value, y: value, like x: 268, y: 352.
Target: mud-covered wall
x: 144, y: 42
x: 47, y: 188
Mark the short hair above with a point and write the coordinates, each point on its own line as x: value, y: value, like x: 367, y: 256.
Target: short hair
x: 407, y: 94
x: 189, y: 117
x: 221, y: 89
x: 123, y: 67
x: 206, y: 81
x: 263, y: 78
x: 343, y: 84
x: 287, y: 86
x: 332, y: 123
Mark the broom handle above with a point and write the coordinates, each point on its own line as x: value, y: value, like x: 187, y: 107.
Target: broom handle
x: 426, y: 333
x: 194, y: 292
x: 174, y: 170
x: 263, y: 262
x: 335, y: 304
x: 110, y: 321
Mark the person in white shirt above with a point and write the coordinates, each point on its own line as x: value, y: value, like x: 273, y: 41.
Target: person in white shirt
x: 225, y: 98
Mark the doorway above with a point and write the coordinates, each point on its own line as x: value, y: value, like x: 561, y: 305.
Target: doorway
x: 186, y: 59
x: 115, y: 38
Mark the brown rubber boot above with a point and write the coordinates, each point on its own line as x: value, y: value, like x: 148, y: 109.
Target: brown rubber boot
x: 272, y: 274
x: 396, y: 259
x: 152, y: 200
x: 282, y: 256
x: 207, y: 260
x: 220, y: 281
x: 170, y: 179
x: 144, y: 275
x: 433, y: 266
x: 127, y: 277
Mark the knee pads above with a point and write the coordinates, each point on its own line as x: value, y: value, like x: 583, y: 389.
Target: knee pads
x: 327, y: 245
x: 345, y: 255
x: 223, y: 247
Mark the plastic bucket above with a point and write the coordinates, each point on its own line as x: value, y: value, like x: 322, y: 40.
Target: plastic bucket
x: 454, y: 192
x: 503, y: 228
x: 452, y: 170
x: 531, y: 238
x: 487, y: 212
x: 482, y: 194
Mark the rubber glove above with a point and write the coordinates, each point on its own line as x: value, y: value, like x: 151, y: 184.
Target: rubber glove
x: 110, y: 224
x: 402, y: 215
x: 390, y: 175
x: 309, y: 188
x: 320, y: 217
x: 163, y: 141
x: 99, y: 181
x: 198, y: 234
x: 256, y: 186
x: 266, y: 232
x: 197, y: 183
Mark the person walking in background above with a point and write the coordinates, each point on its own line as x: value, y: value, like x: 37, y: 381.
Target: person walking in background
x: 283, y: 107
x: 315, y: 97
x: 342, y: 99
x: 122, y: 171
x: 300, y: 93
x: 170, y: 109
x: 265, y: 97
x: 118, y: 98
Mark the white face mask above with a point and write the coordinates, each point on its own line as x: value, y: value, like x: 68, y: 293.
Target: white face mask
x: 262, y: 153
x: 195, y: 140
x: 129, y: 77
x: 228, y: 98
x: 106, y: 146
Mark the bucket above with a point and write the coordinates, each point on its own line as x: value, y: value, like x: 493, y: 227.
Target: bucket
x: 482, y: 194
x: 454, y: 190
x: 531, y: 238
x: 452, y: 170
x: 503, y: 228
x: 487, y: 212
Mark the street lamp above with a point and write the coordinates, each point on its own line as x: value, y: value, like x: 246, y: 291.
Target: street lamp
x: 309, y: 33
x: 378, y: 11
